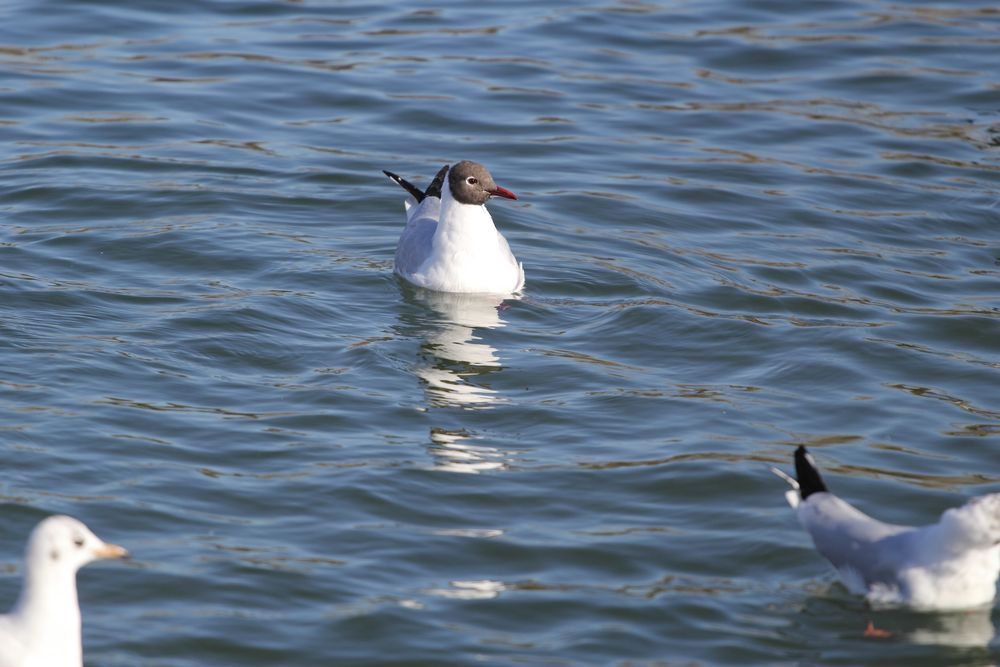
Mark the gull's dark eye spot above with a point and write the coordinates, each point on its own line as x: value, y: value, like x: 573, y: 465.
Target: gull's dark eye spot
x: 54, y: 554
x: 78, y: 541
x: 471, y: 180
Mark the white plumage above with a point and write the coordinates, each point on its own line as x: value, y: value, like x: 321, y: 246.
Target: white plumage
x: 43, y: 629
x: 949, y: 565
x: 450, y: 243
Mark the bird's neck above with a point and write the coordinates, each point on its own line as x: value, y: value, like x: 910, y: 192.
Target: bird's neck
x: 48, y: 612
x: 464, y: 225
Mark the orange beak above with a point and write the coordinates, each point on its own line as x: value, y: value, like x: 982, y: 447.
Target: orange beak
x: 111, y: 551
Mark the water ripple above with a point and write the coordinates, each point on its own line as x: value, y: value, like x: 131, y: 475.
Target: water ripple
x: 745, y: 227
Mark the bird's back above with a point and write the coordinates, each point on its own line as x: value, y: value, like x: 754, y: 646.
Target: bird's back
x: 862, y: 549
x: 417, y: 240
x: 892, y: 565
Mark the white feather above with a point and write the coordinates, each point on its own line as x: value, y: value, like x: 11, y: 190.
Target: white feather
x: 448, y: 246
x: 952, y: 564
x: 43, y: 628
x: 792, y: 495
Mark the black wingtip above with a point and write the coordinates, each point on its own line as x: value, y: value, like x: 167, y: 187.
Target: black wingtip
x: 434, y: 189
x: 806, y: 473
x: 406, y: 185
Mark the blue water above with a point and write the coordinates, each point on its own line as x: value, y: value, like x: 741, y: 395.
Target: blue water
x: 745, y: 226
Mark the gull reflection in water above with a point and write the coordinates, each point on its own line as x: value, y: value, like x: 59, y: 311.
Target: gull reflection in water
x: 453, y: 357
x: 453, y: 364
x: 453, y: 452
x: 964, y: 628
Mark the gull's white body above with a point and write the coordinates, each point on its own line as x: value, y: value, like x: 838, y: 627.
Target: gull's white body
x: 950, y: 565
x: 448, y: 246
x: 43, y: 629
x: 941, y: 566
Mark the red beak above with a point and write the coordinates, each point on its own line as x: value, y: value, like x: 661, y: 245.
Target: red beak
x: 502, y: 192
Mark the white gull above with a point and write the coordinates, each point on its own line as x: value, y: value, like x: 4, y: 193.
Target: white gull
x: 450, y: 243
x: 44, y: 627
x: 950, y: 565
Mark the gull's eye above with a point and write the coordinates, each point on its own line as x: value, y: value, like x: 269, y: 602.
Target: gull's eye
x: 471, y: 180
x: 78, y: 541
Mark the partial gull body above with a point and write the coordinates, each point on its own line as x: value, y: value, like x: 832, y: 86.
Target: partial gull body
x: 450, y: 243
x: 44, y: 627
x: 950, y: 565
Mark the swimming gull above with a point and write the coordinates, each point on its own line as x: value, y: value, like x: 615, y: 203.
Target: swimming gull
x: 450, y: 243
x: 952, y: 564
x: 43, y: 629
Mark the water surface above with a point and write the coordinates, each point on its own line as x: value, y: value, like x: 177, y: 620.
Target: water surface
x: 745, y: 226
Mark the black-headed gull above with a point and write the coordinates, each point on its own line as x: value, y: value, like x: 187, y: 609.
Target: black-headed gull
x: 952, y: 564
x: 450, y: 243
x: 43, y: 629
